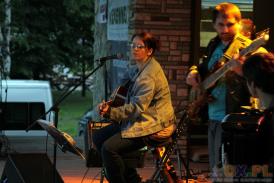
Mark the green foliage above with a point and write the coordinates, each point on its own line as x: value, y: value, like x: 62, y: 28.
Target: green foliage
x: 71, y: 110
x: 50, y: 32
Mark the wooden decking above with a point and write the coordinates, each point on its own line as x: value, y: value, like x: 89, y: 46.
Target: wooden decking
x: 70, y: 166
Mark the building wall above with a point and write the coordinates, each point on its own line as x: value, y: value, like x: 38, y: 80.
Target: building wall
x: 100, y: 49
x: 104, y: 47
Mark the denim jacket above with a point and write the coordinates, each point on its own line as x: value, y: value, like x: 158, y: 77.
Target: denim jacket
x: 149, y: 108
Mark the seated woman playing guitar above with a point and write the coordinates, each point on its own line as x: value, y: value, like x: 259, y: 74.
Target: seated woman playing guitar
x: 146, y: 117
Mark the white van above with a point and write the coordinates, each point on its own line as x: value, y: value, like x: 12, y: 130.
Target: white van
x: 22, y: 102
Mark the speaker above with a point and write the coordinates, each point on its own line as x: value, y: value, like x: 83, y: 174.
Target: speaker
x: 244, y: 149
x: 29, y: 168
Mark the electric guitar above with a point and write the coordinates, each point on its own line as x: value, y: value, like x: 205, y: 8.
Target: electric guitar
x: 199, y: 95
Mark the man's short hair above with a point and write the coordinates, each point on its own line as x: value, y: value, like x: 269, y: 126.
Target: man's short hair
x: 259, y: 68
x: 225, y: 10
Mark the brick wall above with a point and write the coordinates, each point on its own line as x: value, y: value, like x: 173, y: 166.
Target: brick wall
x: 169, y: 20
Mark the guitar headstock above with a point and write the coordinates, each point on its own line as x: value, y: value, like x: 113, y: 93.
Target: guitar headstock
x: 263, y: 34
x: 262, y: 38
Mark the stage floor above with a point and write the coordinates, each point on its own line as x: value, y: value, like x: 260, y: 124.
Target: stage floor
x: 70, y: 166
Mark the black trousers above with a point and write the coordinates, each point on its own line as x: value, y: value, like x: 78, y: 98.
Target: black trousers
x: 111, y: 146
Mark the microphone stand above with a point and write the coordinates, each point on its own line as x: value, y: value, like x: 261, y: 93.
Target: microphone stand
x: 55, y: 108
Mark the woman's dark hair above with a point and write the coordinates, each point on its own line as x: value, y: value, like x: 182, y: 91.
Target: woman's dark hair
x: 259, y: 68
x: 148, y: 39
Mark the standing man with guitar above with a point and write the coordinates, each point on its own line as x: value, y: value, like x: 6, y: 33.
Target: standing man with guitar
x: 146, y: 117
x: 229, y: 92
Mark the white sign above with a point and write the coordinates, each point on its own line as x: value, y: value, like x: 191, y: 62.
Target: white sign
x: 101, y: 15
x: 117, y: 26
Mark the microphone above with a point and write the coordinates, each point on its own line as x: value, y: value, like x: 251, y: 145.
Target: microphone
x: 111, y: 57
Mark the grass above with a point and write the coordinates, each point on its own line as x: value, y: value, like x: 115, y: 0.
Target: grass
x: 71, y: 110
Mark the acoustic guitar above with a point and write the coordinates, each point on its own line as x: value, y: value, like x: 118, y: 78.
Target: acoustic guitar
x: 118, y: 97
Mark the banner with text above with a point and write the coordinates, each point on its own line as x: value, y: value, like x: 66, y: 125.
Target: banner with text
x: 117, y: 24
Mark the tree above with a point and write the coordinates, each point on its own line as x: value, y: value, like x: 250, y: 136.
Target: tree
x: 80, y: 17
x: 50, y: 32
x: 5, y: 39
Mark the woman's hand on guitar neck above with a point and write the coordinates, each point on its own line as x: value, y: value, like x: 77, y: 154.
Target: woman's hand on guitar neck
x: 193, y: 78
x: 103, y: 108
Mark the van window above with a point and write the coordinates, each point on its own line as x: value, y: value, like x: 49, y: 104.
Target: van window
x: 19, y: 115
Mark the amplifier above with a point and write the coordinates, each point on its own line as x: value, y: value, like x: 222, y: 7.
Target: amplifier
x: 92, y: 157
x: 243, y: 149
x: 241, y: 142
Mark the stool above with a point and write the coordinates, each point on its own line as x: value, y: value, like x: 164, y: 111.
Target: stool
x: 165, y: 171
x: 160, y: 174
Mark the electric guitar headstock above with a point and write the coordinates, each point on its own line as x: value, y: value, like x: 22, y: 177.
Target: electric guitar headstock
x: 262, y: 33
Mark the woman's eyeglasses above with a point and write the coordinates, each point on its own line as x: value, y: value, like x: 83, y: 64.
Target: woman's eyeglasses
x: 137, y: 46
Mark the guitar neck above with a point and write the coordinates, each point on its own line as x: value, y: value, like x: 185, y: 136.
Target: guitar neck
x: 217, y: 74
